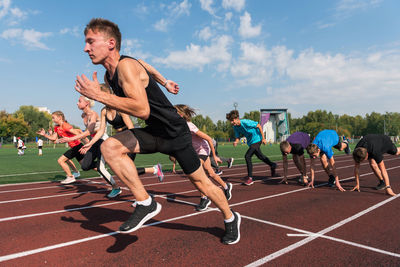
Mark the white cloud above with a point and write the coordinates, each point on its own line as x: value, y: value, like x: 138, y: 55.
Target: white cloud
x: 246, y: 30
x: 205, y: 33
x: 13, y: 15
x: 73, y: 31
x: 4, y: 7
x: 132, y: 47
x: 237, y: 5
x: 197, y: 57
x: 207, y: 6
x: 350, y: 5
x: 174, y: 12
x: 30, y: 38
x: 350, y: 83
x: 228, y: 16
x: 345, y: 9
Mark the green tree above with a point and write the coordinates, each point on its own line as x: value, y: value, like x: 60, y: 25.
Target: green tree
x: 252, y: 115
x: 12, y: 126
x: 34, y: 118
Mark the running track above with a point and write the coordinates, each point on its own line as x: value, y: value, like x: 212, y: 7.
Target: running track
x: 282, y: 225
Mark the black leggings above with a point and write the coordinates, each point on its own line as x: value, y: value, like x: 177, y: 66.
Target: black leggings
x: 255, y: 149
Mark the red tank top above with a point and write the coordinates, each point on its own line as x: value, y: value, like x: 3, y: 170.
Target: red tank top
x: 64, y: 131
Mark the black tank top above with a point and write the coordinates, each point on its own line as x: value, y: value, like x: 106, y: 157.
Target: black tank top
x: 117, y: 122
x: 163, y: 120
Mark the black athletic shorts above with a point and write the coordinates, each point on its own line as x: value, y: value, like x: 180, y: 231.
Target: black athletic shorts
x: 179, y: 147
x: 203, y: 157
x: 74, y: 153
x: 39, y: 147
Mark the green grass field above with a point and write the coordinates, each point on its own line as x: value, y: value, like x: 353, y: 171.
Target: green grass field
x: 31, y: 167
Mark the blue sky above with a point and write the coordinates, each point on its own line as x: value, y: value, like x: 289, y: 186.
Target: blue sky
x: 342, y: 56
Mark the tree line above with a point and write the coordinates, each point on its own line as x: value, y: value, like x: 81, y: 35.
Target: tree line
x: 27, y: 120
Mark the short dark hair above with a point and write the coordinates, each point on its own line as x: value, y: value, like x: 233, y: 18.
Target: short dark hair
x: 105, y: 26
x: 234, y: 114
x: 312, y: 148
x: 284, y: 145
x: 359, y: 154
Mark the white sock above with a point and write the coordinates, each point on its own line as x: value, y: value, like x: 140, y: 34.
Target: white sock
x: 146, y: 202
x: 225, y: 186
x: 230, y: 219
x: 155, y: 169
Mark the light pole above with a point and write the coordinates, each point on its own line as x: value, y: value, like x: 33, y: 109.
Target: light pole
x: 235, y: 105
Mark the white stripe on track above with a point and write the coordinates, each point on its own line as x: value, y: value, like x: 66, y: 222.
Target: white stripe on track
x: 43, y: 249
x: 321, y: 234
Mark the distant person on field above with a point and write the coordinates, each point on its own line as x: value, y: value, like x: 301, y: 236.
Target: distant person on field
x: 322, y: 147
x: 20, y: 147
x: 40, y: 146
x: 372, y: 147
x: 295, y: 145
x: 255, y: 137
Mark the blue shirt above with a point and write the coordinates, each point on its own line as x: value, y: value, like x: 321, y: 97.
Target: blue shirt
x: 249, y: 129
x: 325, y: 140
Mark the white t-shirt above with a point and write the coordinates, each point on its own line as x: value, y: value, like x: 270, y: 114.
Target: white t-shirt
x: 199, y: 144
x: 40, y: 142
x: 20, y: 143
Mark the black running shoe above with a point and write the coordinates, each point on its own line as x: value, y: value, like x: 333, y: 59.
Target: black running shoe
x: 232, y: 230
x: 218, y: 172
x: 140, y: 215
x: 381, y: 185
x: 331, y: 181
x: 347, y: 150
x: 273, y: 169
x: 228, y: 191
x: 204, y: 203
x: 230, y: 162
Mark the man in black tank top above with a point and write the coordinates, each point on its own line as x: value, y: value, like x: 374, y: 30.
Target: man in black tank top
x: 137, y: 93
x: 372, y: 147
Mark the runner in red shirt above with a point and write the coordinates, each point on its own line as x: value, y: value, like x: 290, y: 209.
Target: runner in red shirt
x: 64, y: 129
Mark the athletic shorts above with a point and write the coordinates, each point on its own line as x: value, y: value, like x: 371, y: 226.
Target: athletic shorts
x: 203, y: 157
x: 73, y: 152
x: 179, y: 147
x: 39, y: 147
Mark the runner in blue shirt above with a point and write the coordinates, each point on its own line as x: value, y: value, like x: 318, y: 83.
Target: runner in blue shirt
x: 255, y: 136
x: 322, y: 147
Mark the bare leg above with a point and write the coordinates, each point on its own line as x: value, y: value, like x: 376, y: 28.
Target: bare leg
x: 65, y: 163
x: 115, y: 151
x: 72, y: 165
x: 213, y: 192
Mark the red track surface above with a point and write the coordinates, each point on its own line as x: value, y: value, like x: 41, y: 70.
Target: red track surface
x: 282, y: 225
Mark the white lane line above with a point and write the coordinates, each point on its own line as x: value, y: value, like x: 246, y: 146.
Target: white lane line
x: 321, y: 233
x: 30, y: 252
x: 21, y: 174
x: 185, y: 192
x: 63, y: 195
x: 39, y: 250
